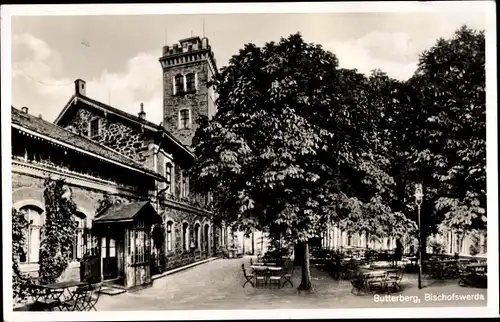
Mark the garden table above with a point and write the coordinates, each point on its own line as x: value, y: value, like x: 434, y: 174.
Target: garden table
x: 65, y: 287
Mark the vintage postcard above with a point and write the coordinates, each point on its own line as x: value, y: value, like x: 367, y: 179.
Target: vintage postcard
x: 248, y: 161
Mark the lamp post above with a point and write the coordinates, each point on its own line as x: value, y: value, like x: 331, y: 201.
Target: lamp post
x: 419, y: 197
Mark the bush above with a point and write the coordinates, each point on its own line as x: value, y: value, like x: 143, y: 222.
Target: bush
x: 20, y: 282
x: 474, y: 250
x: 60, y: 226
x: 437, y: 247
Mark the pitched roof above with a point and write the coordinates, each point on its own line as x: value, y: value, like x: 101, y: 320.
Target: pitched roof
x: 127, y: 212
x: 55, y: 132
x: 152, y: 126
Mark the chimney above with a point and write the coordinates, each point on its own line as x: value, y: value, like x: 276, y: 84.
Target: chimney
x: 142, y: 114
x: 24, y: 109
x: 80, y: 87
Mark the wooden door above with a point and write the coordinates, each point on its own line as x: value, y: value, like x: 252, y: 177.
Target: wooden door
x: 109, y: 258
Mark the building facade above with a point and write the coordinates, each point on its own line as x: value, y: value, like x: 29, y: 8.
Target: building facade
x: 446, y: 242
x: 101, y: 150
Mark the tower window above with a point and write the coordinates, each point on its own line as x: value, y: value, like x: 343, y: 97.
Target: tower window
x: 184, y: 119
x: 178, y: 84
x: 191, y: 82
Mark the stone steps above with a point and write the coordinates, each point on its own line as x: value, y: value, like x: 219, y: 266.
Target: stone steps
x: 111, y: 290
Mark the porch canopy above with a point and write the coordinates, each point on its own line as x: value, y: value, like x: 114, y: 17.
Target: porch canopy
x: 128, y: 213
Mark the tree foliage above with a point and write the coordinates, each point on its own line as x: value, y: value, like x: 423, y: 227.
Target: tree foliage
x: 449, y: 147
x: 59, y: 229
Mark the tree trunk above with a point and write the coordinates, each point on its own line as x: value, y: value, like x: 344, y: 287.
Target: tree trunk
x: 298, y: 255
x: 305, y: 283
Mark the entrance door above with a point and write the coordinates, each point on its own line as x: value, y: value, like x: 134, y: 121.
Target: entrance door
x: 109, y: 258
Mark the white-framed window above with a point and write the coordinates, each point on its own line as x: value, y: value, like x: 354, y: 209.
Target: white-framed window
x: 168, y: 176
x: 178, y: 84
x: 79, y: 248
x: 94, y: 129
x: 32, y: 234
x: 191, y: 83
x: 197, y: 232
x: 185, y: 236
x: 184, y: 185
x: 184, y: 118
x: 170, y: 226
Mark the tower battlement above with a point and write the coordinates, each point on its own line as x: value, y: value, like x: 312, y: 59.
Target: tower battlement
x: 187, y: 50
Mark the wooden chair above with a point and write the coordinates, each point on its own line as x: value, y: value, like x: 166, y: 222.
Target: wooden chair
x: 275, y: 275
x: 84, y: 298
x: 43, y: 298
x: 248, y: 277
x: 394, y: 278
x: 288, y: 269
x: 358, y: 284
x: 260, y: 277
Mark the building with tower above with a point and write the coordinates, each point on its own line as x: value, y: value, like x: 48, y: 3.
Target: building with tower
x: 188, y: 68
x: 159, y: 224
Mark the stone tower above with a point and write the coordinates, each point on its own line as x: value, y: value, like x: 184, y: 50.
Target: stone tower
x: 187, y: 68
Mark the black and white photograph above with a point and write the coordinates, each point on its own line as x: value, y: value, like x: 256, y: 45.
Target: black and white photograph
x: 231, y: 161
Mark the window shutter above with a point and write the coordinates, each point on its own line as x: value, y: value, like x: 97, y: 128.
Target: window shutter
x: 173, y: 86
x: 196, y: 81
x: 185, y: 82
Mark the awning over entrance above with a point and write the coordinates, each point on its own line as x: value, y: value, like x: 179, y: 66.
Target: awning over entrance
x: 128, y: 213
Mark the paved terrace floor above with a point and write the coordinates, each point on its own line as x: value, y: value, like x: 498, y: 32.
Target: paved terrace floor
x: 218, y: 285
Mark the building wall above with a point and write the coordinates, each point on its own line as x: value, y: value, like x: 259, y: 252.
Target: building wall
x: 179, y: 256
x: 125, y: 139
x: 28, y: 191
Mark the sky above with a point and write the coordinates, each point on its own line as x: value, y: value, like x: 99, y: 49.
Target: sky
x: 120, y: 61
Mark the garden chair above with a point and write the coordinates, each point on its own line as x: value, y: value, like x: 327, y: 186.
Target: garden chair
x: 275, y: 275
x: 358, y: 284
x: 43, y: 299
x: 463, y: 275
x: 376, y: 284
x: 288, y: 269
x: 248, y: 277
x: 394, y: 278
x: 260, y: 278
x: 84, y: 298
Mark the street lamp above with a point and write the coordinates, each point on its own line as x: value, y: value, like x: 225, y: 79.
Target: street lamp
x: 419, y: 197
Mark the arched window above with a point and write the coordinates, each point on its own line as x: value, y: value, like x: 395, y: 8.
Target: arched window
x: 185, y: 236
x: 197, y: 232
x: 191, y: 83
x: 206, y: 236
x: 170, y: 225
x: 32, y: 234
x: 184, y: 118
x: 168, y: 176
x: 80, y: 239
x: 178, y: 84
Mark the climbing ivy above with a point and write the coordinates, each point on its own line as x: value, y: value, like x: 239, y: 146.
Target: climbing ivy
x: 60, y: 226
x: 19, y: 280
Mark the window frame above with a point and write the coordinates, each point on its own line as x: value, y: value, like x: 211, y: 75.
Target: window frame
x: 28, y: 232
x: 94, y: 120
x: 169, y: 176
x: 169, y: 236
x: 191, y: 83
x: 179, y: 84
x: 79, y: 247
x: 185, y: 237
x: 184, y: 119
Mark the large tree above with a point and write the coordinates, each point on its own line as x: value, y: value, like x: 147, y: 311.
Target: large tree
x: 291, y: 147
x: 449, y: 123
